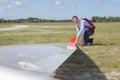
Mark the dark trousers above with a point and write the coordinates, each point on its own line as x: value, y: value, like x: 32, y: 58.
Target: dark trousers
x: 86, y: 36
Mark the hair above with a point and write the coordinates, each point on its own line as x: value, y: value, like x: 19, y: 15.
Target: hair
x: 74, y: 17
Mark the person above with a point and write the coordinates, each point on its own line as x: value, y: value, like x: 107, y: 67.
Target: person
x: 84, y: 27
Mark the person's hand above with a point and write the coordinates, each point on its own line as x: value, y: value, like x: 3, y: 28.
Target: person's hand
x: 76, y: 42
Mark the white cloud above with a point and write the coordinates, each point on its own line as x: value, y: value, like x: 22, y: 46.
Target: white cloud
x: 58, y: 5
x: 72, y: 5
x: 8, y: 5
x: 57, y: 2
x: 2, y: 1
x: 63, y: 4
x: 15, y: 4
x: 1, y: 9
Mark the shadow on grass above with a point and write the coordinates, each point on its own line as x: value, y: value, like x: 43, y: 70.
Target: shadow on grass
x: 79, y: 67
x: 101, y: 44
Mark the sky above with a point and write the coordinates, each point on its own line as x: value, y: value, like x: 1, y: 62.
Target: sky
x: 58, y: 9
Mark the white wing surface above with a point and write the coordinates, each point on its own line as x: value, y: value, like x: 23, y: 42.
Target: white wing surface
x: 31, y: 62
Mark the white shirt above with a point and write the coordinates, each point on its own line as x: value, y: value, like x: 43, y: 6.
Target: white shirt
x: 81, y: 24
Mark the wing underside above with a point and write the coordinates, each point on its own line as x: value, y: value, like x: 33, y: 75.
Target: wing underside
x: 34, y: 60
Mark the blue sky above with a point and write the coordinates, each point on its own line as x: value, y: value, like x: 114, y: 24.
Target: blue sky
x: 58, y: 9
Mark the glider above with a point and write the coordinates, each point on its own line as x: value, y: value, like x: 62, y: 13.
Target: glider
x: 31, y: 62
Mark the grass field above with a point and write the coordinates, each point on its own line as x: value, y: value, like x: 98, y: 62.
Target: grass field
x: 105, y: 53
x: 38, y: 33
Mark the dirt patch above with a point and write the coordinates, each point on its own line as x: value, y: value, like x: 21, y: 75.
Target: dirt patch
x: 113, y: 75
x: 15, y: 27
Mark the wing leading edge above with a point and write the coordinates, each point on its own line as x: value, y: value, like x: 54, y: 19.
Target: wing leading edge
x: 36, y: 60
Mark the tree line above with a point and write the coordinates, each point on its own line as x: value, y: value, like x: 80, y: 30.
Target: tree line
x: 31, y: 20
x: 37, y: 20
x: 105, y: 19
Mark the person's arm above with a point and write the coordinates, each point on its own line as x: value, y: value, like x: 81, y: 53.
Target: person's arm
x: 80, y: 31
x: 77, y: 29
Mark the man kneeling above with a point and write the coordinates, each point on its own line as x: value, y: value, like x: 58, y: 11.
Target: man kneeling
x: 84, y: 27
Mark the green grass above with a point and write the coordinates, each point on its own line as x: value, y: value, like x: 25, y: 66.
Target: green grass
x: 38, y: 33
x: 105, y: 53
x: 5, y: 25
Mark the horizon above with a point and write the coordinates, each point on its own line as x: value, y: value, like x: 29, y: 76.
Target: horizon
x: 59, y: 19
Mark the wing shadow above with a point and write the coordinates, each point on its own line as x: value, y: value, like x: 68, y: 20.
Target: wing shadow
x: 79, y: 67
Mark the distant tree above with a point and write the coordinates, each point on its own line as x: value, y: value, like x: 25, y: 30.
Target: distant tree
x: 2, y: 20
x: 37, y: 20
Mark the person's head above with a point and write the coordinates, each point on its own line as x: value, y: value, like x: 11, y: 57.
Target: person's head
x: 75, y: 19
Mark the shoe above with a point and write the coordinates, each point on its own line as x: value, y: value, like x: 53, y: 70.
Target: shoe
x: 83, y: 44
x: 91, y: 40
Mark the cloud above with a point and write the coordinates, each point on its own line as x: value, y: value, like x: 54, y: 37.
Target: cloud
x: 9, y: 5
x: 63, y: 4
x: 2, y: 1
x: 72, y: 4
x: 6, y: 5
x: 57, y: 2
x: 15, y: 4
x: 1, y: 9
